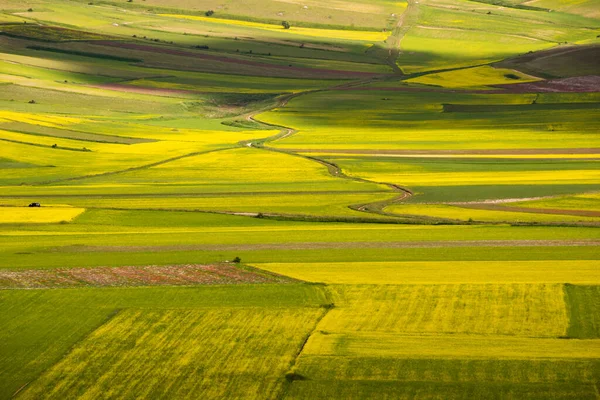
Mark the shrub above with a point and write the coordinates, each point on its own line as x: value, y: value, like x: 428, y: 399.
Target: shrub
x: 285, y: 24
x: 209, y: 13
x: 237, y: 260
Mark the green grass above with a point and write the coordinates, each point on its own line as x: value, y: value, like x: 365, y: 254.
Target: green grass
x: 449, y: 346
x: 583, y: 302
x: 431, y: 390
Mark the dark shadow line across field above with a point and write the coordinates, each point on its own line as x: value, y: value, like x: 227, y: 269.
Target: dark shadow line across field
x: 122, y: 171
x: 291, y: 375
x: 110, y: 316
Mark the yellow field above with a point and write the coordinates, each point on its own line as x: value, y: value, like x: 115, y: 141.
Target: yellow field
x: 465, y: 214
x: 130, y: 355
x: 52, y: 121
x: 407, y: 176
x: 34, y: 215
x: 476, y: 77
x: 449, y: 346
x: 326, y: 154
x: 366, y: 36
x: 433, y: 272
x: 512, y: 309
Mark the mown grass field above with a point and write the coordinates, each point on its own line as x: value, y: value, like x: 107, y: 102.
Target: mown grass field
x: 386, y: 200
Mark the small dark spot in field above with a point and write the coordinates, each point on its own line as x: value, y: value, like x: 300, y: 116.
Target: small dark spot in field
x: 294, y: 376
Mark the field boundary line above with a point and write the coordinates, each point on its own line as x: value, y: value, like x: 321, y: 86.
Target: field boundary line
x: 111, y: 315
x: 145, y: 166
x: 289, y: 378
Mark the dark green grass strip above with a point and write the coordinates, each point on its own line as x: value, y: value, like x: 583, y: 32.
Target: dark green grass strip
x: 351, y: 389
x: 499, y: 108
x: 583, y: 303
x: 85, y: 54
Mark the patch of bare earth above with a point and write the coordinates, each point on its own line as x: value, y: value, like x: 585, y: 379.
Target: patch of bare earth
x: 172, y: 275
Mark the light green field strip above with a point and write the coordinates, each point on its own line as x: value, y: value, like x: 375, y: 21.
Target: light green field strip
x: 434, y: 272
x: 403, y: 371
x: 587, y: 8
x: 364, y: 121
x: 449, y: 346
x: 410, y: 177
x: 27, y: 215
x: 587, y: 201
x: 432, y: 154
x: 53, y: 92
x: 70, y: 159
x: 489, y: 309
x: 204, y: 82
x: 208, y: 354
x: 323, y: 138
x: 357, y: 378
x: 17, y: 69
x: 431, y: 48
x: 476, y: 77
x: 278, y: 29
x: 345, y: 12
x: 327, y: 203
x: 466, y: 214
x: 137, y: 127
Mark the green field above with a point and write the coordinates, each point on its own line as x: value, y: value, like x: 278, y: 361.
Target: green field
x: 353, y: 199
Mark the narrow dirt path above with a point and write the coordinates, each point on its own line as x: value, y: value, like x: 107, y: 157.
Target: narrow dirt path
x: 333, y: 169
x: 405, y: 22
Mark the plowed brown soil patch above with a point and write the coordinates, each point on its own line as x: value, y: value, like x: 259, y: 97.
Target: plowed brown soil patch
x: 184, y: 275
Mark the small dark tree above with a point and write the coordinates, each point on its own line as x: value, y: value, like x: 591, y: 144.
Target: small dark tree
x: 285, y: 24
x: 30, y: 10
x: 209, y: 13
x: 237, y: 260
x: 31, y: 101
